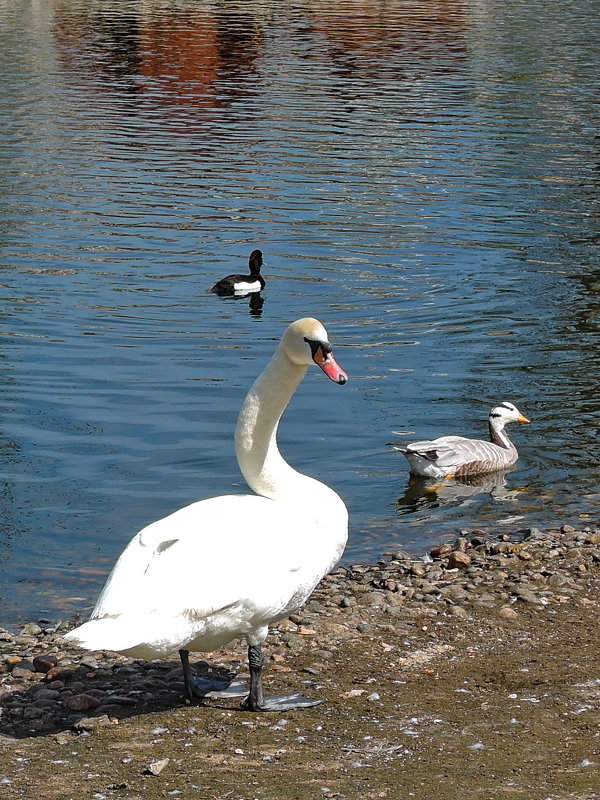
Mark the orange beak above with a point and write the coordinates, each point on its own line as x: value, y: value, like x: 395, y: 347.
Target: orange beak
x: 329, y: 366
x: 521, y: 418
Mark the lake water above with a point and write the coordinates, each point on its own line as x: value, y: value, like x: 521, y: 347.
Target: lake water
x: 423, y: 178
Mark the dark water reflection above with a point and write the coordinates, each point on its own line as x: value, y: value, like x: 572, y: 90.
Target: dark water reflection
x: 423, y: 177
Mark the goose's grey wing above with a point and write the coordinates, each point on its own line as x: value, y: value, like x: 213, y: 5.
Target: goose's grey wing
x: 456, y: 452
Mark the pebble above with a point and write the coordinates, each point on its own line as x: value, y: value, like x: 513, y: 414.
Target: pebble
x: 93, y: 723
x: 506, y: 612
x: 81, y: 702
x: 458, y: 611
x: 44, y: 663
x: 459, y: 559
x: 156, y: 767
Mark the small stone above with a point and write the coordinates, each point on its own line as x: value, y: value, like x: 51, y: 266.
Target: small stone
x: 60, y: 674
x: 44, y: 663
x: 156, y: 767
x: 506, y: 612
x: 373, y: 599
x: 92, y: 723
x: 527, y: 596
x: 64, y: 737
x: 117, y: 700
x: 458, y: 559
x: 22, y: 672
x: 81, y: 702
x: 45, y: 703
x: 440, y: 550
x: 31, y: 629
x: 455, y: 593
x: 458, y: 611
x: 33, y: 713
x: 46, y: 694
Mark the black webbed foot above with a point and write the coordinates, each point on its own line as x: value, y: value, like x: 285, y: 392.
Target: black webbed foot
x: 213, y: 687
x: 282, y: 702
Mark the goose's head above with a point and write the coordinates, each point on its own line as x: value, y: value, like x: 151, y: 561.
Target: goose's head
x: 305, y: 342
x: 506, y: 412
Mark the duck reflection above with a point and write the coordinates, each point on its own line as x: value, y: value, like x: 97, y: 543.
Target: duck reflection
x: 430, y: 491
x: 255, y: 302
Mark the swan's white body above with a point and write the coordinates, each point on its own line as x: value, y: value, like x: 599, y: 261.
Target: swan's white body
x: 230, y: 565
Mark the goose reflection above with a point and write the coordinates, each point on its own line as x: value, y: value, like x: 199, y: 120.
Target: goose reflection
x: 429, y: 491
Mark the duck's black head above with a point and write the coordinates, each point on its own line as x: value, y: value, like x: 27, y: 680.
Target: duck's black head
x: 255, y: 262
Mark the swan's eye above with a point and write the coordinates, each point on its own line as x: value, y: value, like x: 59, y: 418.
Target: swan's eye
x: 315, y: 345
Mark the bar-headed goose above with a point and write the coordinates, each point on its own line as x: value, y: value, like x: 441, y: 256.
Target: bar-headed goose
x: 241, y: 285
x: 231, y: 565
x: 458, y: 455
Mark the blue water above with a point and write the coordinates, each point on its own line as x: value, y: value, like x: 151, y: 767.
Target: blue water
x: 423, y: 179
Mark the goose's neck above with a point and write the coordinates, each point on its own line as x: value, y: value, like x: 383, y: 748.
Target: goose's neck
x: 498, y: 434
x: 261, y: 463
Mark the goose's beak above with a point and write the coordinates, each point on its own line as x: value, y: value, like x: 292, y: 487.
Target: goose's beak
x: 329, y: 366
x: 521, y: 418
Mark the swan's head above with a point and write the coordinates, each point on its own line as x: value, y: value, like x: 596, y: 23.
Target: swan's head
x: 506, y: 412
x: 305, y: 342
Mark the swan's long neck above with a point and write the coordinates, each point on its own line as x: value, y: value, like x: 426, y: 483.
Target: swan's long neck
x: 498, y: 434
x: 261, y: 463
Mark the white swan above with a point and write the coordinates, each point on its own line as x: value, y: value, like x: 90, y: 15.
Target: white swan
x: 230, y: 565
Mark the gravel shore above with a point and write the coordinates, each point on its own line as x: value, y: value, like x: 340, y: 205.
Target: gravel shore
x: 378, y: 644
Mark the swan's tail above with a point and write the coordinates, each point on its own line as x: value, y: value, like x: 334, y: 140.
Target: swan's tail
x: 102, y: 634
x: 115, y: 634
x: 130, y: 636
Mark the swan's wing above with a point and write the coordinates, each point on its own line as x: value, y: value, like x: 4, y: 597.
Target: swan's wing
x: 210, y: 556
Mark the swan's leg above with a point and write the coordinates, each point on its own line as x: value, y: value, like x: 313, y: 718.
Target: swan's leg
x: 256, y: 701
x: 207, y: 687
x: 188, y: 680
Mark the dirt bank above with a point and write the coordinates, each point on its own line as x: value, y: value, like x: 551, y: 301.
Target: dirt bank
x: 476, y: 670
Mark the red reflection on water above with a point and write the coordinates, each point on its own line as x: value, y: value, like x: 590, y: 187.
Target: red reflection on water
x: 170, y: 58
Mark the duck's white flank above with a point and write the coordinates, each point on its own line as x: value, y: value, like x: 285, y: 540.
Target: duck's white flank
x: 230, y: 565
x: 244, y: 287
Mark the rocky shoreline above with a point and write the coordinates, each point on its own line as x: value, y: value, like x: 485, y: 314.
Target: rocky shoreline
x: 49, y: 688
